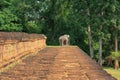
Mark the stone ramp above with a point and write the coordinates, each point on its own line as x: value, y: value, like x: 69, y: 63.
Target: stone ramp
x: 57, y: 63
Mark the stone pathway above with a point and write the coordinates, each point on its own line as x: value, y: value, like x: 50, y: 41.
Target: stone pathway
x: 57, y: 63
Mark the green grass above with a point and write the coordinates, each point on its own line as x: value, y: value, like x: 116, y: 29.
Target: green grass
x: 113, y: 72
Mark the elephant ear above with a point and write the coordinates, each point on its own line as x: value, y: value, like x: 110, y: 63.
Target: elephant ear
x: 68, y: 36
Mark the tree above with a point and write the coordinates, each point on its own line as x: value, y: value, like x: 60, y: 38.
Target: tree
x: 116, y: 57
x: 8, y: 21
x: 57, y: 22
x: 113, y: 23
x: 30, y: 14
x: 89, y: 30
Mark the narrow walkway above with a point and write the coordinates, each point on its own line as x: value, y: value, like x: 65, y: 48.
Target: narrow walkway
x: 57, y: 63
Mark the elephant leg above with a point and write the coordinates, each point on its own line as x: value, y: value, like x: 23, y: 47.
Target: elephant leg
x: 60, y: 42
x: 66, y: 42
x: 63, y: 42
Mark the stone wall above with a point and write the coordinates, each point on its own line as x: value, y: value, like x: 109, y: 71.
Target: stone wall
x: 14, y: 45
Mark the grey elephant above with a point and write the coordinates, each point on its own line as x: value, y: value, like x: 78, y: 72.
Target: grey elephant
x: 64, y: 40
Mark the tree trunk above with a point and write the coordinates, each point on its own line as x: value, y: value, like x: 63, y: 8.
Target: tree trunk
x: 89, y: 34
x: 90, y: 42
x: 116, y: 43
x: 100, y: 42
x: 100, y: 52
x: 116, y: 64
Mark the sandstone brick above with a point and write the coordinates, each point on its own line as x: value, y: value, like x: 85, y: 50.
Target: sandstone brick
x: 16, y: 44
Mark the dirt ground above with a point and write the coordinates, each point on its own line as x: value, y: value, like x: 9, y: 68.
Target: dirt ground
x: 57, y: 63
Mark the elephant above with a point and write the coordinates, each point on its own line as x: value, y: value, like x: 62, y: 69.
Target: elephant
x: 64, y: 40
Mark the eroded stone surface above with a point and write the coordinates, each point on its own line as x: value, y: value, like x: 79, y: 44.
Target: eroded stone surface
x: 57, y: 63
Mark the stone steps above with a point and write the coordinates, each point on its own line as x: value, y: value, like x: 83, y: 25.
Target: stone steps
x: 57, y: 63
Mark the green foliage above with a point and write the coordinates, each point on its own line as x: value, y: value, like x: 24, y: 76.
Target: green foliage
x: 115, y: 55
x: 32, y: 27
x: 7, y: 21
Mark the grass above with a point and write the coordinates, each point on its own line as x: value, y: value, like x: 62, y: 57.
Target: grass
x: 113, y: 72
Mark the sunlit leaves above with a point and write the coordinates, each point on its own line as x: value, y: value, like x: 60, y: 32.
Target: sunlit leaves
x: 115, y: 55
x: 8, y: 21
